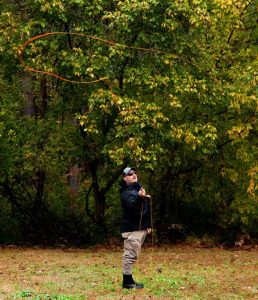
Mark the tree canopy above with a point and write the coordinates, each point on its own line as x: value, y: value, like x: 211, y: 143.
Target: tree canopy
x: 174, y: 94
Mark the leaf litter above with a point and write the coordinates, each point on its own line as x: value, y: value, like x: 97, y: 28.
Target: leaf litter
x: 174, y: 272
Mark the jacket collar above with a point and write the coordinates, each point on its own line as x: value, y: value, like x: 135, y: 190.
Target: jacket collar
x: 134, y: 186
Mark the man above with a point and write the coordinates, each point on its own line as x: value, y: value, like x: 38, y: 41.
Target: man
x: 136, y: 223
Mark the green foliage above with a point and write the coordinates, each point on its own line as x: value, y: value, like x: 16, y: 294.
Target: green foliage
x: 183, y: 104
x: 35, y: 296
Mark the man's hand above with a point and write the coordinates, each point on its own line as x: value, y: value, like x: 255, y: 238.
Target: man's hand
x: 142, y: 192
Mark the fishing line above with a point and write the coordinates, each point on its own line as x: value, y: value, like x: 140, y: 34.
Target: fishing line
x: 148, y: 198
x: 21, y: 50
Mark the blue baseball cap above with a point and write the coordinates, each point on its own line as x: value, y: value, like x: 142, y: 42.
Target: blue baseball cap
x: 127, y: 170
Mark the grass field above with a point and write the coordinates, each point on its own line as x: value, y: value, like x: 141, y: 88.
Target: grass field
x: 174, y: 272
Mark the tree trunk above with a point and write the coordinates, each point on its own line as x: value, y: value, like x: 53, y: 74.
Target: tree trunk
x: 40, y: 183
x: 43, y: 98
x: 99, y: 196
x: 40, y: 173
x: 29, y: 96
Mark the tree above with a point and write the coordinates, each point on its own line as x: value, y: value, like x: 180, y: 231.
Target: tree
x: 179, y: 97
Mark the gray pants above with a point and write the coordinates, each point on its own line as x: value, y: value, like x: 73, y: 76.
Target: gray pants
x: 132, y: 246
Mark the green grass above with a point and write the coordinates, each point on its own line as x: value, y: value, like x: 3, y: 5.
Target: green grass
x: 167, y: 273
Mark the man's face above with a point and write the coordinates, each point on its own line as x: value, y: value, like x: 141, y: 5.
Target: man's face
x: 131, y: 177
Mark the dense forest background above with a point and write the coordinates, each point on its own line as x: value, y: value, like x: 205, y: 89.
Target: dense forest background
x: 185, y: 116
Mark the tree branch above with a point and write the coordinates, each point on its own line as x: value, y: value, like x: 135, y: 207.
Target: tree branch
x: 113, y: 179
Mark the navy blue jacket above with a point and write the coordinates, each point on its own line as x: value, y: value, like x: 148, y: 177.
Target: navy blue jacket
x: 132, y: 206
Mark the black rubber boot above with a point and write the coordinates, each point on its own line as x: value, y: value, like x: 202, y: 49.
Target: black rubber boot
x: 129, y: 283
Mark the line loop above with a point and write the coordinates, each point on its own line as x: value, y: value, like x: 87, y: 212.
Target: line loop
x: 40, y: 36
